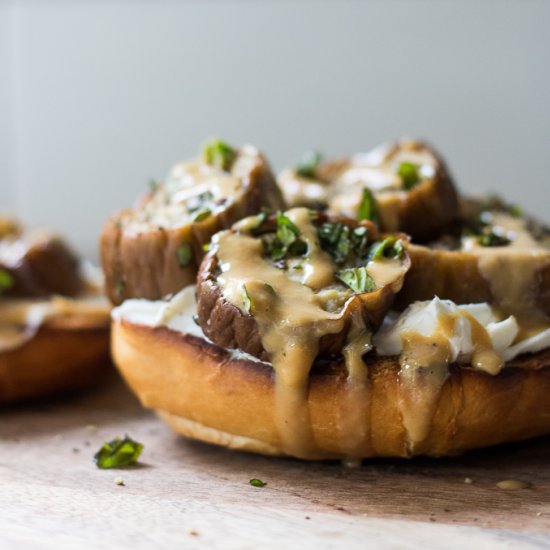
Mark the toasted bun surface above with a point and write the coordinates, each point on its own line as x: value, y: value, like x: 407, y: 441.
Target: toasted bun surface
x: 64, y: 354
x: 206, y: 393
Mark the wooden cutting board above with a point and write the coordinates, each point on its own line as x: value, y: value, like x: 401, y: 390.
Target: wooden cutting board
x: 192, y: 495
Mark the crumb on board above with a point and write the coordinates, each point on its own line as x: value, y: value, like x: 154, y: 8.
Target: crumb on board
x: 468, y: 480
x: 119, y: 481
x: 192, y: 532
x: 513, y: 484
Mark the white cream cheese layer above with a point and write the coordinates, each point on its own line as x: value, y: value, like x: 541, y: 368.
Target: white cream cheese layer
x: 20, y: 318
x: 424, y: 318
x: 176, y: 313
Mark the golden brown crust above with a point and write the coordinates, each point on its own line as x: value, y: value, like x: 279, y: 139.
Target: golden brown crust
x: 206, y: 393
x: 145, y: 265
x: 64, y: 354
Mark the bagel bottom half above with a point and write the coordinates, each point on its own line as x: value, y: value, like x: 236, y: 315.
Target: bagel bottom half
x: 62, y: 355
x: 211, y: 394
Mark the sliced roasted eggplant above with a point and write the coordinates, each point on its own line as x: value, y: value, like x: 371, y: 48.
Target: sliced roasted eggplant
x: 155, y: 249
x: 300, y: 272
x: 403, y: 186
x: 494, y: 255
x: 37, y: 264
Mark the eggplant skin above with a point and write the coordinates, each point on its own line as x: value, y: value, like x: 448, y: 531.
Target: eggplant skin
x: 229, y: 328
x: 428, y: 210
x: 455, y: 275
x: 145, y: 264
x: 47, y: 267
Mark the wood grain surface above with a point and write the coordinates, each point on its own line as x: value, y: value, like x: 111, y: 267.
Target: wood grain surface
x: 192, y: 495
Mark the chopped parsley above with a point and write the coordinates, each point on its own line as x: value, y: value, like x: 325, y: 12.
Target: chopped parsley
x: 335, y: 239
x: 357, y: 279
x: 308, y: 164
x: 120, y: 285
x: 6, y: 280
x: 390, y: 247
x: 153, y: 185
x: 118, y: 452
x: 368, y: 208
x: 219, y: 154
x: 200, y: 202
x: 202, y: 215
x: 492, y: 239
x: 409, y: 174
x: 248, y: 304
x: 184, y: 254
x: 285, y: 241
x: 257, y: 482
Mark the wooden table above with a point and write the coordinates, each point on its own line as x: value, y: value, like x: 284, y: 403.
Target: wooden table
x: 185, y: 494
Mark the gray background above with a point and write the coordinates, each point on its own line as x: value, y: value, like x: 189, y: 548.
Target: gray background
x: 97, y: 97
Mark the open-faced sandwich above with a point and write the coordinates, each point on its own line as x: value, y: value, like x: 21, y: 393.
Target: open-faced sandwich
x: 54, y: 321
x: 325, y: 334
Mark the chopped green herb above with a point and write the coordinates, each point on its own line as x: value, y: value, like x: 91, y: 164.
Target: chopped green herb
x: 219, y: 154
x: 492, y: 239
x: 516, y: 211
x: 206, y: 247
x: 368, y: 208
x: 409, y: 173
x: 6, y: 280
x: 357, y: 279
x: 199, y: 202
x: 257, y: 483
x: 119, y: 287
x: 308, y: 164
x: 286, y: 240
x: 184, y: 254
x: 118, y: 452
x: 202, y: 215
x: 360, y: 241
x: 390, y: 247
x: 248, y: 304
x: 334, y: 238
x: 153, y: 185
x: 270, y: 289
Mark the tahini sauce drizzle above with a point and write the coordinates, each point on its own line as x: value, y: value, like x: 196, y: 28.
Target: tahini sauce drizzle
x: 512, y: 272
x: 292, y: 319
x: 377, y: 170
x: 169, y: 204
x: 424, y: 369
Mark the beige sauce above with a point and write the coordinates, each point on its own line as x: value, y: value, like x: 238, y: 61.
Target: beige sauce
x: 377, y: 170
x: 425, y: 364
x: 291, y: 323
x: 293, y: 317
x: 512, y: 272
x: 355, y: 408
x: 385, y: 271
x: 300, y: 191
x: 20, y: 319
x: 168, y: 206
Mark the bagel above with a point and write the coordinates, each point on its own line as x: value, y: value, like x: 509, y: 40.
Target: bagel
x: 54, y: 323
x: 229, y: 398
x: 410, y: 184
x: 323, y: 335
x: 155, y: 249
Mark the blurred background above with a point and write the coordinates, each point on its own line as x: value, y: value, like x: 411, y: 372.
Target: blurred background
x: 97, y: 97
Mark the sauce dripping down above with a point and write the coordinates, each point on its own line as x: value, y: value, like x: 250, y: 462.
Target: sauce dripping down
x: 293, y: 314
